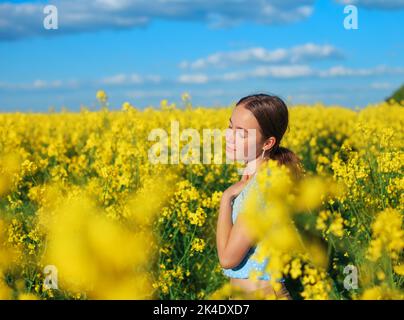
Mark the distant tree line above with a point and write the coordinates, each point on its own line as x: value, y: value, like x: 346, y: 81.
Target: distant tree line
x: 397, y: 95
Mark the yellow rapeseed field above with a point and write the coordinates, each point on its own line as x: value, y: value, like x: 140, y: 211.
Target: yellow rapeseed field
x: 84, y: 214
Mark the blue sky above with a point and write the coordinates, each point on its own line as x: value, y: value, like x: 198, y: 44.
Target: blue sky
x: 216, y: 50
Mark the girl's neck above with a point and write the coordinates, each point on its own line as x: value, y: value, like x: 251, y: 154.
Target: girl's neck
x: 252, y: 167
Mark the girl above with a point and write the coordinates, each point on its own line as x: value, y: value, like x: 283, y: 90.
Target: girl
x: 268, y: 116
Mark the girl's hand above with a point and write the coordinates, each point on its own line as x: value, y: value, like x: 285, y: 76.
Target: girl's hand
x: 234, y: 190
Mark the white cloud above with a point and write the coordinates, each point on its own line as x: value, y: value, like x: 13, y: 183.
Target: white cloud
x: 129, y: 79
x: 290, y: 72
x: 193, y: 78
x: 293, y: 71
x: 39, y: 84
x: 341, y: 71
x: 117, y: 79
x: 382, y: 86
x: 19, y: 20
x: 286, y: 71
x: 297, y: 54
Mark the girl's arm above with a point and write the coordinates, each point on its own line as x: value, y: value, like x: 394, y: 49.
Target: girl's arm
x: 232, y: 241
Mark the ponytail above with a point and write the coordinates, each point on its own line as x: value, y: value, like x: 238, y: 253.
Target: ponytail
x: 286, y: 157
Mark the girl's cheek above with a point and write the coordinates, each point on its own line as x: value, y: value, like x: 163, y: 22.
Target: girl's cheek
x: 242, y: 149
x: 239, y: 143
x: 229, y: 137
x: 250, y: 148
x: 241, y: 146
x: 245, y: 148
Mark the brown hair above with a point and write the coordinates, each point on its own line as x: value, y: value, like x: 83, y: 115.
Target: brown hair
x: 273, y: 118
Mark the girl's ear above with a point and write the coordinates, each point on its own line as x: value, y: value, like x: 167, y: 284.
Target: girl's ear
x: 269, y: 143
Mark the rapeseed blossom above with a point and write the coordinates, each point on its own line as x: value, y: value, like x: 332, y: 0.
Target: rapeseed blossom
x: 90, y: 171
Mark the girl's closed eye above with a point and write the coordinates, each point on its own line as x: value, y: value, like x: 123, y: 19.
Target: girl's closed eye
x: 243, y: 134
x: 240, y: 132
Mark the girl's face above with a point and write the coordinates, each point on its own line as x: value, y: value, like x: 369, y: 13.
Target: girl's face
x: 244, y: 140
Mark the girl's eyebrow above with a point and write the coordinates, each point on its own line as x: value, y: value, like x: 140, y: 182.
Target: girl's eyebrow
x: 238, y: 127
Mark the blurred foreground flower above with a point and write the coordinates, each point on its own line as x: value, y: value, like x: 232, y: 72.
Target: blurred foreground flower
x: 270, y: 213
x: 104, y: 258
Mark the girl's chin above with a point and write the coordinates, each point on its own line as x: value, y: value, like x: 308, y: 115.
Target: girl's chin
x: 231, y: 155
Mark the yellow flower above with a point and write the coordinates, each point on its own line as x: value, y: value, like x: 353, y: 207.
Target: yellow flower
x: 337, y: 225
x: 296, y: 268
x: 387, y: 234
x: 399, y: 269
x: 101, y: 96
x: 198, y: 245
x: 185, y: 96
x: 372, y: 294
x: 198, y: 217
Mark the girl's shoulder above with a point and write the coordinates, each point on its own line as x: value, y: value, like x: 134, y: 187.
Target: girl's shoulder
x: 242, y: 195
x: 254, y: 189
x: 250, y: 183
